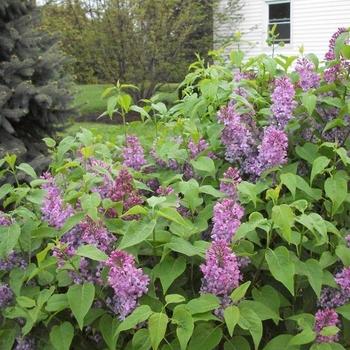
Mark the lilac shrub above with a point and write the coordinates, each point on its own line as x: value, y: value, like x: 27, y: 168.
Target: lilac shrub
x: 230, y: 226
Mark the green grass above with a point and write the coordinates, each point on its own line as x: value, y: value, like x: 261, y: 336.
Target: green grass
x: 109, y: 133
x: 88, y: 99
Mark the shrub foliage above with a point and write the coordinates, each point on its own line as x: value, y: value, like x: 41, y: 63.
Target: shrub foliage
x: 228, y: 232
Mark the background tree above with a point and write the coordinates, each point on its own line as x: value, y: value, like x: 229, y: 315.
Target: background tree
x: 140, y: 41
x: 34, y: 94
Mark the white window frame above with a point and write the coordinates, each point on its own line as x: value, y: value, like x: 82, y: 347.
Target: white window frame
x: 267, y: 21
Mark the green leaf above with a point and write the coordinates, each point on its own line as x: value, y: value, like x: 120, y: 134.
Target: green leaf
x: 206, y: 302
x: 25, y: 302
x: 9, y: 236
x: 345, y: 51
x: 314, y: 273
x: 27, y: 169
x: 327, y: 346
x: 61, y: 336
x: 205, y: 165
x: 306, y: 336
x: 319, y: 164
x: 283, y: 217
x: 108, y: 327
x: 141, y: 340
x: 280, y: 342
x: 137, y: 232
x: 185, y: 325
x: 140, y: 314
x: 157, y: 325
x: 344, y: 310
x: 89, y: 203
x: 237, y: 343
x: 231, y: 317
x: 174, y: 299
x: 91, y: 252
x: 250, y: 321
x: 111, y: 104
x: 309, y: 102
x: 135, y: 210
x: 290, y: 181
x: 80, y: 299
x: 169, y: 269
x: 208, y: 189
x: 172, y: 215
x: 57, y: 302
x: 336, y: 189
x: 5, y: 190
x: 343, y: 253
x: 329, y: 330
x: 205, y: 337
x: 308, y: 152
x: 240, y: 292
x: 281, y: 266
x: 182, y: 246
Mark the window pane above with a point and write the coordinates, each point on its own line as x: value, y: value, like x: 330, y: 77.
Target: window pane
x: 283, y: 31
x: 279, y: 12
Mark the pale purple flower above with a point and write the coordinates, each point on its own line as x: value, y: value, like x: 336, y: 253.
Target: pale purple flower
x: 4, y: 219
x: 273, y: 150
x: 332, y: 73
x: 123, y: 191
x: 25, y: 343
x: 221, y: 272
x: 343, y: 280
x: 326, y: 318
x: 12, y: 261
x: 332, y: 297
x: 283, y: 102
x: 227, y: 219
x: 308, y: 78
x: 188, y: 172
x: 95, y: 233
x: 54, y: 211
x: 237, y: 135
x: 230, y: 181
x: 6, y: 295
x: 347, y: 238
x: 165, y: 191
x: 195, y: 148
x: 128, y: 282
x: 330, y: 55
x: 133, y: 153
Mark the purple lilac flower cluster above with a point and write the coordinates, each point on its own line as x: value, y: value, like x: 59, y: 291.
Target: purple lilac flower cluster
x: 54, y: 211
x: 128, y: 282
x: 195, y: 148
x: 238, y: 134
x: 283, y: 102
x: 6, y: 295
x: 272, y: 151
x: 221, y: 272
x: 95, y: 233
x: 230, y: 181
x: 308, y: 78
x: 164, y: 191
x: 331, y: 74
x: 241, y: 139
x: 4, y: 220
x: 326, y: 318
x: 133, y: 153
x: 123, y: 191
x: 227, y: 219
x: 25, y: 343
x: 14, y: 259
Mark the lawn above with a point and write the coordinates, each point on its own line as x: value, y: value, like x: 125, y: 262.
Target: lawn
x: 110, y: 132
x: 88, y: 99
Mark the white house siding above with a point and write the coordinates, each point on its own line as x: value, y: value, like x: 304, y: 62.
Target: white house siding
x: 312, y: 24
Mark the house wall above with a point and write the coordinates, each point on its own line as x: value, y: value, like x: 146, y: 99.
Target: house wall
x: 312, y: 24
